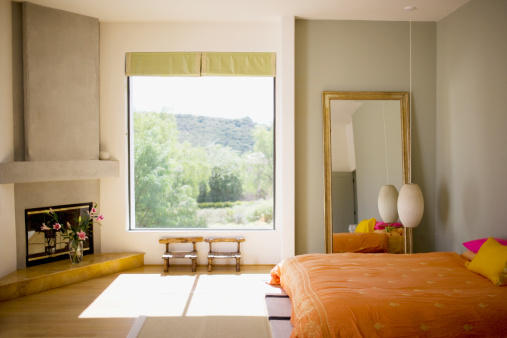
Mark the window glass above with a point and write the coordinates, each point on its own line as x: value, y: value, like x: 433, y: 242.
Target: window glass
x: 201, y: 152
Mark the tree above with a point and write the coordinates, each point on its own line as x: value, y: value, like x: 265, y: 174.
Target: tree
x: 162, y: 199
x: 224, y: 186
x: 259, y: 163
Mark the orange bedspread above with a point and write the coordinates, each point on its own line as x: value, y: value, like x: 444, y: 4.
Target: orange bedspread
x: 359, y: 242
x: 385, y: 295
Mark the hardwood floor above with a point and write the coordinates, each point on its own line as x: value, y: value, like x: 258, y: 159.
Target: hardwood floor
x: 108, y: 306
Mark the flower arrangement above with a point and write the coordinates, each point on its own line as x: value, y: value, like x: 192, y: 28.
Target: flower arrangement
x: 75, y: 233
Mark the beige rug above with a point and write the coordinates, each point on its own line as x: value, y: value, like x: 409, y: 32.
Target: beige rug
x: 206, y: 326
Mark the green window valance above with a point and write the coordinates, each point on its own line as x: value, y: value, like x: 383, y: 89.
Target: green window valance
x: 238, y: 64
x: 163, y: 64
x: 200, y: 64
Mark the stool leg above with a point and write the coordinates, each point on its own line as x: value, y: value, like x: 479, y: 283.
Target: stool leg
x: 166, y: 264
x: 237, y: 264
x: 210, y: 261
x: 194, y: 264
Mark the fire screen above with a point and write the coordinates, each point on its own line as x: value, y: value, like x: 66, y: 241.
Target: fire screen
x: 44, y: 246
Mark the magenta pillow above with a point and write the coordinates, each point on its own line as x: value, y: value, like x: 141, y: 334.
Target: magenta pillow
x: 476, y: 244
x: 382, y: 225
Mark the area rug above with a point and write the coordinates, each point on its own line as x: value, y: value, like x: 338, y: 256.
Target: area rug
x: 206, y: 326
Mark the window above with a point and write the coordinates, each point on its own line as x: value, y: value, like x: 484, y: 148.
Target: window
x: 201, y: 152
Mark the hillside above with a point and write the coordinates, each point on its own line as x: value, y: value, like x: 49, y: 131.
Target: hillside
x: 201, y: 130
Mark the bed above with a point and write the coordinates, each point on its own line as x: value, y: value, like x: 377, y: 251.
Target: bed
x: 385, y: 295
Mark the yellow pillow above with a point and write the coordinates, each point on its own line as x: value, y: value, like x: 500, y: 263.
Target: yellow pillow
x: 366, y: 226
x: 491, y: 262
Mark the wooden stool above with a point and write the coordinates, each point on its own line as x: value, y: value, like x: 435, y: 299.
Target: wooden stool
x: 179, y: 254
x: 217, y: 254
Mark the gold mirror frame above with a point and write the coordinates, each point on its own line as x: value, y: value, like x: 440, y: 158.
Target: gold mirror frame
x: 327, y: 97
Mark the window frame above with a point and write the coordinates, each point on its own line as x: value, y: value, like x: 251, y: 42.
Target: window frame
x: 130, y: 175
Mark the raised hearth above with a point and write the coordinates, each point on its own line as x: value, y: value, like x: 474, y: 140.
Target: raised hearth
x: 35, y: 279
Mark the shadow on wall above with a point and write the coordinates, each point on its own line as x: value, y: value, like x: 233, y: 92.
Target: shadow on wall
x: 443, y: 205
x: 470, y: 211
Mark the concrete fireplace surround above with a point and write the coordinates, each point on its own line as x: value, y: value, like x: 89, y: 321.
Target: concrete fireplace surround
x: 56, y: 114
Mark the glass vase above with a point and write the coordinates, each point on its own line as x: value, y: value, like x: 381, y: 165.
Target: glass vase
x: 75, y: 251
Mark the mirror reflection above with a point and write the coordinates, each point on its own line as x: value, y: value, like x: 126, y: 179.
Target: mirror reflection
x: 365, y: 154
x: 365, y: 147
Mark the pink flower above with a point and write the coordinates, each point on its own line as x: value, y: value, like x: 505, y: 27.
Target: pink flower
x: 45, y: 227
x: 100, y: 217
x: 94, y: 210
x: 82, y: 236
x: 57, y: 226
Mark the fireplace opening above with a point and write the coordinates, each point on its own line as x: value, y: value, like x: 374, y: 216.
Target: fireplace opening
x: 45, y: 246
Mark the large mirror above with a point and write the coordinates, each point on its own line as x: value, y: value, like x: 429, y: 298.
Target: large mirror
x: 366, y: 145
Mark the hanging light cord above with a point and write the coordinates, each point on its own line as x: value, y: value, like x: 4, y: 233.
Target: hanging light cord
x: 385, y: 140
x: 410, y: 80
x: 410, y: 59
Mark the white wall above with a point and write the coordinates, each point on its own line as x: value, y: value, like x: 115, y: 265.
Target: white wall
x: 261, y: 247
x: 341, y: 147
x: 372, y: 171
x: 7, y: 219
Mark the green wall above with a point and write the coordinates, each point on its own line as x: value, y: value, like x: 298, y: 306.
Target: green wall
x: 360, y: 56
x: 471, y: 186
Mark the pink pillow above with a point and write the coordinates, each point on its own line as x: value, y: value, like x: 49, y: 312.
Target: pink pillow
x: 476, y: 244
x: 382, y: 225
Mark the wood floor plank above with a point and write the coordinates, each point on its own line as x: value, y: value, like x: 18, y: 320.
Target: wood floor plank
x: 57, y: 312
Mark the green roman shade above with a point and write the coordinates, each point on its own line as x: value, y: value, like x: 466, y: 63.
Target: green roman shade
x: 200, y: 64
x: 163, y: 64
x: 238, y: 64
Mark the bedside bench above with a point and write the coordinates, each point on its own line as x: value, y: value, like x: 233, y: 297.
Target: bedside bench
x: 219, y: 254
x: 180, y: 254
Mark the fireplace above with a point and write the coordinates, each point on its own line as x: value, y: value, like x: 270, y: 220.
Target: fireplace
x: 44, y: 246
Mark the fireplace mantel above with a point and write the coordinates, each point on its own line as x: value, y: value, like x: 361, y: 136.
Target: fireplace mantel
x: 47, y: 171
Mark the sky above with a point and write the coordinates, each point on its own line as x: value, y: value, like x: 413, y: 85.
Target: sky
x: 226, y: 97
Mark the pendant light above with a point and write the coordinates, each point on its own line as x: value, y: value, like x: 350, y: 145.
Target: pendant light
x: 410, y: 199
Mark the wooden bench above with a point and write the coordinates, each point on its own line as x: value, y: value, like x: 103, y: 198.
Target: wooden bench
x: 180, y: 254
x: 219, y: 254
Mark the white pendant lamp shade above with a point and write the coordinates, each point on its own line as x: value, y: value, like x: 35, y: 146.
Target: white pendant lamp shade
x: 410, y: 205
x: 387, y: 203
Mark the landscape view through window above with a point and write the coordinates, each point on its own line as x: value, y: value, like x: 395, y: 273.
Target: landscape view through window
x: 201, y: 152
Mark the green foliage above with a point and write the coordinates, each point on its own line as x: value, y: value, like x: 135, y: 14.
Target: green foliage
x: 224, y: 186
x: 243, y: 215
x: 203, y: 194
x: 163, y: 198
x: 262, y: 212
x: 258, y: 165
x: 173, y: 174
x: 227, y: 158
x: 218, y: 205
x: 225, y: 182
x: 200, y: 131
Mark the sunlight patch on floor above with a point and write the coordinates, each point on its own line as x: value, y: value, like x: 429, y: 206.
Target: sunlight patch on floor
x: 133, y: 295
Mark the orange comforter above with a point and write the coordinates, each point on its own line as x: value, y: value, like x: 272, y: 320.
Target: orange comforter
x: 359, y: 242
x: 385, y: 295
